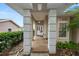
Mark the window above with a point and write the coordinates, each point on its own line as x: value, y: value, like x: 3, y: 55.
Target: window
x: 62, y: 29
x: 41, y: 28
x: 9, y: 30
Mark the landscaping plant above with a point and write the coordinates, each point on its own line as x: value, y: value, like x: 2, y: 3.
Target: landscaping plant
x: 8, y: 39
x: 67, y: 45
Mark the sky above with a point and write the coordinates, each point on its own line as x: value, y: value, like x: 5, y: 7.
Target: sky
x: 72, y: 7
x: 8, y: 13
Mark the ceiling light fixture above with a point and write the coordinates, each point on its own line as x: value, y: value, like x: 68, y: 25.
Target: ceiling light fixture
x: 38, y: 21
x: 39, y: 7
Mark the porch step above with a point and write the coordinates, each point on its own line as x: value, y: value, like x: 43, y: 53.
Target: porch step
x: 39, y: 54
x: 39, y: 50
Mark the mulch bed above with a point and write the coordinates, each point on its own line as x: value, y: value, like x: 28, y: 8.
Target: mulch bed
x: 59, y: 52
x: 66, y: 52
x: 5, y: 52
x: 12, y: 50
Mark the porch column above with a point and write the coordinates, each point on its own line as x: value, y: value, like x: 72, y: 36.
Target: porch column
x: 52, y: 32
x: 28, y: 32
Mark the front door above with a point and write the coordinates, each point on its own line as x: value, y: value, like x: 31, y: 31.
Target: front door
x: 39, y: 29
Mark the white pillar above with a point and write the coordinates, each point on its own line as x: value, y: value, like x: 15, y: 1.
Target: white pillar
x: 28, y: 32
x: 52, y: 31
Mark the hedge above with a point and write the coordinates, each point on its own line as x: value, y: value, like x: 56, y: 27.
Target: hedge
x: 8, y: 39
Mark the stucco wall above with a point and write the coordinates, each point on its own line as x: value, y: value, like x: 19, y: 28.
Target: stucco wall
x: 5, y: 25
x: 45, y: 28
x: 75, y: 35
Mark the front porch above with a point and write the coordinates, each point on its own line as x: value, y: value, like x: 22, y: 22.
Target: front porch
x: 40, y: 45
x: 48, y: 29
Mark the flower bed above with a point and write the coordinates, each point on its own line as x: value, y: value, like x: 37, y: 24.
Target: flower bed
x: 9, y: 39
x: 67, y: 49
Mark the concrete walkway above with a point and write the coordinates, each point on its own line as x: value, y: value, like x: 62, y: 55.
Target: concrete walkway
x: 40, y: 46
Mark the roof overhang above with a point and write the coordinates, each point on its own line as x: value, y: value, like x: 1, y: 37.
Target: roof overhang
x: 7, y: 20
x: 59, y: 7
x: 19, y: 7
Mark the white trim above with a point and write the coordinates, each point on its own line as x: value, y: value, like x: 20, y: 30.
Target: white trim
x: 67, y: 32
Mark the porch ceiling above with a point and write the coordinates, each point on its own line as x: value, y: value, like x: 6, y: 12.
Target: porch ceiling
x: 60, y: 7
x: 19, y: 7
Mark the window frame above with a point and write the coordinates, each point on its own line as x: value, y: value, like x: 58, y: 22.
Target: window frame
x: 67, y: 33
x: 9, y: 29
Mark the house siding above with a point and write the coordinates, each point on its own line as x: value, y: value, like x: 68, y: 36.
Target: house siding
x: 5, y: 25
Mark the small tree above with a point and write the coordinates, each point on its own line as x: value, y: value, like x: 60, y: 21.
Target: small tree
x: 74, y: 23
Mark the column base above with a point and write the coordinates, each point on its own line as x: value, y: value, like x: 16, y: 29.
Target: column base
x: 27, y: 52
x: 52, y: 53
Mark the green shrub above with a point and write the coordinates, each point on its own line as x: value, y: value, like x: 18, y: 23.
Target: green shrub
x: 67, y: 45
x: 8, y: 39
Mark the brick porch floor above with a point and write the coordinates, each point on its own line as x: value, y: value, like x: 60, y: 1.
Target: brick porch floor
x: 40, y: 46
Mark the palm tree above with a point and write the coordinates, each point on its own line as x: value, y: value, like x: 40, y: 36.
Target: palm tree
x: 74, y: 23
